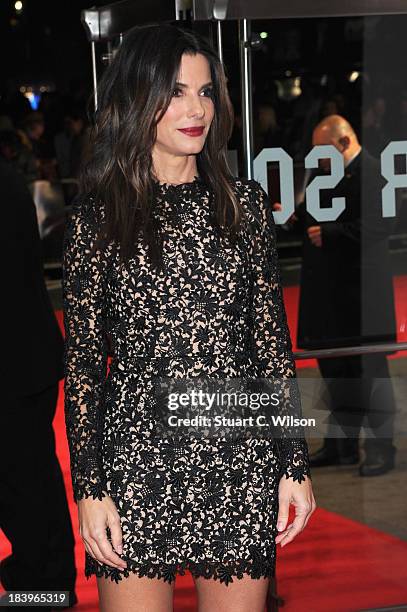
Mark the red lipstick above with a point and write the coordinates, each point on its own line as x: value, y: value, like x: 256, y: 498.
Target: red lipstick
x: 193, y: 131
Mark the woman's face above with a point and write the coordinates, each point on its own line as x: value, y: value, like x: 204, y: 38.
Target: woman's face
x: 191, y: 107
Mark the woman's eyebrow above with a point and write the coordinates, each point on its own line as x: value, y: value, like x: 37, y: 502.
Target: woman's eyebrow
x: 185, y: 85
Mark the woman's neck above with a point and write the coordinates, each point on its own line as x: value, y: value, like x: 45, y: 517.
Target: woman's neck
x: 175, y: 175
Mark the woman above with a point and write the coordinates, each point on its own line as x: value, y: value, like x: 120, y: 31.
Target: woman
x: 154, y: 260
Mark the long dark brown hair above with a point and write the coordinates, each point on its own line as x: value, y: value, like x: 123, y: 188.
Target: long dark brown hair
x: 118, y: 172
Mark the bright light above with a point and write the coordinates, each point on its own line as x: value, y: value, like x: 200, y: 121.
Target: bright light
x: 263, y: 34
x: 33, y: 98
x: 18, y: 6
x: 354, y: 76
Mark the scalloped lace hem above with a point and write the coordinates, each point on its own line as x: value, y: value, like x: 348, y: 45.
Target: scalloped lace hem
x: 168, y: 572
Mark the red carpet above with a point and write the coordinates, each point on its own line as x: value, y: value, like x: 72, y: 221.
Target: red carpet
x: 291, y: 300
x: 335, y: 564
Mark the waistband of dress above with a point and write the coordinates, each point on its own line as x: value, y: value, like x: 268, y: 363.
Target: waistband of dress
x: 126, y: 360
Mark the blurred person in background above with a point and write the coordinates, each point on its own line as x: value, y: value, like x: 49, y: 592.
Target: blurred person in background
x: 346, y: 299
x: 14, y: 152
x: 34, y: 512
x: 267, y: 132
x: 70, y: 144
x: 33, y: 126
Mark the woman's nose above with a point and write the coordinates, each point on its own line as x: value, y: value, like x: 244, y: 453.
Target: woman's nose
x: 195, y: 106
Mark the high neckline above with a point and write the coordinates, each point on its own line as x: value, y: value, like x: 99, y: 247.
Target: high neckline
x: 179, y: 186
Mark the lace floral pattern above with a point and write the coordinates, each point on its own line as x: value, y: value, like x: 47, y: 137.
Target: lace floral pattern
x: 209, y: 506
x: 272, y: 344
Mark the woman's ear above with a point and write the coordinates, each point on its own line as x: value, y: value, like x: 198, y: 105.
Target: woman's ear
x: 344, y: 141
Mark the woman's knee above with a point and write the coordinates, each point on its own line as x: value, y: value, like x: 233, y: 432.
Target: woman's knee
x: 242, y: 595
x: 135, y: 594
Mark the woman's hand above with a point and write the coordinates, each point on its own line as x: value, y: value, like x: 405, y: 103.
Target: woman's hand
x: 300, y: 494
x: 94, y: 516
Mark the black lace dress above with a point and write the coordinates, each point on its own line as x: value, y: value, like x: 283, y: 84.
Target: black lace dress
x: 207, y: 505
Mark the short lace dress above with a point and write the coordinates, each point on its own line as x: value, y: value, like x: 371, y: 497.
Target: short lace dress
x: 202, y: 504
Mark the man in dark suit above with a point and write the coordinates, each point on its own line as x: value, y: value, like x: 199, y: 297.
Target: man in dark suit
x: 34, y: 512
x: 347, y: 299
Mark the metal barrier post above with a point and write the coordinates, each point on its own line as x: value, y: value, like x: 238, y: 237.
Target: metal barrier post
x: 95, y: 79
x: 219, y: 39
x: 246, y: 94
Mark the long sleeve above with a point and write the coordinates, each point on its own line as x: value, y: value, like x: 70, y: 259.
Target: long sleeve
x: 85, y: 355
x: 272, y: 347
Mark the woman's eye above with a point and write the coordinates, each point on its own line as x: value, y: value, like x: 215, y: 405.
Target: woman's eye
x: 208, y: 92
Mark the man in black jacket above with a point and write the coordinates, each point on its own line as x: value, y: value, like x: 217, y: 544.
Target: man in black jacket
x: 346, y: 299
x: 34, y: 512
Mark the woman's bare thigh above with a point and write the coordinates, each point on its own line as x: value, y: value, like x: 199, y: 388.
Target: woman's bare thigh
x: 135, y: 594
x: 242, y: 595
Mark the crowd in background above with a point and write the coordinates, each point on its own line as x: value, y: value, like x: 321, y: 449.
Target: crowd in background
x: 49, y: 143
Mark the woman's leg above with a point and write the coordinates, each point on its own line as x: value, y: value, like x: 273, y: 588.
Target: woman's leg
x: 135, y: 594
x: 243, y: 595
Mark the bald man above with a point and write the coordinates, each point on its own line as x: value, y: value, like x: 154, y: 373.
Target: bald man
x: 336, y: 131
x: 346, y: 299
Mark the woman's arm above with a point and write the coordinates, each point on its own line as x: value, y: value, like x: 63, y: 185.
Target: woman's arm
x: 85, y: 357
x: 272, y: 347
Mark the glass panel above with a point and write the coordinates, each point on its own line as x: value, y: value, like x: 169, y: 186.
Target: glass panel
x: 344, y: 267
